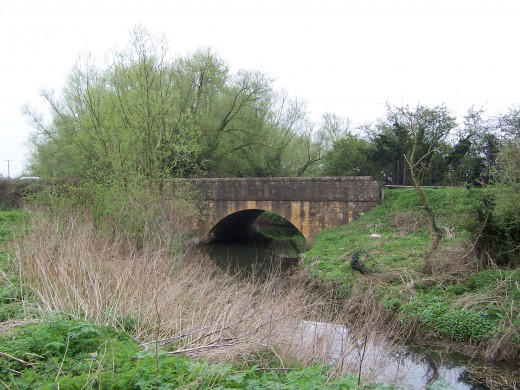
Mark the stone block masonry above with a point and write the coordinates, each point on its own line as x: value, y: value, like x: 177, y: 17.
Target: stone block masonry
x: 311, y: 204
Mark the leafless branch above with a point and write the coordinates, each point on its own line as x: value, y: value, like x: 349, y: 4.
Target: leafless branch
x: 23, y: 362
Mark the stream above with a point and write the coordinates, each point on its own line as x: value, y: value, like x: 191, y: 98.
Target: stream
x: 410, y: 367
x: 406, y: 366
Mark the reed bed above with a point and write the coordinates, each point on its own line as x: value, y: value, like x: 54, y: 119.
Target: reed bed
x: 182, y: 302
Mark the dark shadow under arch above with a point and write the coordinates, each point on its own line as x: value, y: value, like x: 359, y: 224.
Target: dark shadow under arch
x: 255, y: 242
x: 241, y: 223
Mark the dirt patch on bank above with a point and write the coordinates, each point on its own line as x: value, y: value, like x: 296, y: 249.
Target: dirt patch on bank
x: 9, y: 325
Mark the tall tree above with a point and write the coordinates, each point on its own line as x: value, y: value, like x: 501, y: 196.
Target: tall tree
x: 346, y: 154
x: 120, y: 121
x: 149, y: 115
x: 348, y: 157
x: 390, y: 141
x: 508, y: 159
x: 510, y: 123
x: 474, y: 154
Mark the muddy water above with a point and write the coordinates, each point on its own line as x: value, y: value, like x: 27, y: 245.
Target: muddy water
x: 405, y: 366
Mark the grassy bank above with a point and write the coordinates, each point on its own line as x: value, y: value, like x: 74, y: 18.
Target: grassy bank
x: 74, y: 354
x: 461, y: 297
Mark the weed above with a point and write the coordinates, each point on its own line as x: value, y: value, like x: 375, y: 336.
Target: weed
x: 355, y: 261
x: 457, y: 324
x: 10, y: 222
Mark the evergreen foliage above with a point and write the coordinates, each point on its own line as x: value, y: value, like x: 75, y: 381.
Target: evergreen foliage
x: 355, y: 261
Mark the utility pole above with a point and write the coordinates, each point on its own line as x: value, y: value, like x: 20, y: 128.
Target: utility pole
x: 8, y: 169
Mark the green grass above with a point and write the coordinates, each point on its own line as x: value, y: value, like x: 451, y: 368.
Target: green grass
x: 437, y: 312
x: 11, y: 299
x: 459, y: 306
x: 397, y: 249
x: 9, y: 221
x: 476, y: 308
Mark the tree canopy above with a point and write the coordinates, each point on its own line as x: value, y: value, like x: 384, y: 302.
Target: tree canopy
x: 146, y: 113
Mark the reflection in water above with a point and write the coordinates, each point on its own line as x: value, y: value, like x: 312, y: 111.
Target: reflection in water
x: 384, y: 362
x: 246, y: 259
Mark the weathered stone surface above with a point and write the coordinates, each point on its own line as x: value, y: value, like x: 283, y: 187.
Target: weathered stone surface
x: 310, y: 204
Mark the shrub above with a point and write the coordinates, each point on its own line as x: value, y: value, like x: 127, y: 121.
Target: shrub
x: 143, y: 216
x: 499, y: 231
x: 459, y: 324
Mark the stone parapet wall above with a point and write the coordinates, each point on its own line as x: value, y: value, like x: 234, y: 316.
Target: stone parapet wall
x: 350, y: 189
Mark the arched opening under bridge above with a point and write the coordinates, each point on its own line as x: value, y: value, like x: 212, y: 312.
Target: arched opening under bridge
x: 255, y: 241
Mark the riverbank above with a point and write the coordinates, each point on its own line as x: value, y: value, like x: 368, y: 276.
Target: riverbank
x: 148, y: 283
x: 461, y: 300
x: 82, y: 309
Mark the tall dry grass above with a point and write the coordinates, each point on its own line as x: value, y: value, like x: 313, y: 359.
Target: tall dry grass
x: 185, y: 303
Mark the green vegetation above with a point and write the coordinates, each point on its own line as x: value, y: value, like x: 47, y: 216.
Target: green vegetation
x: 11, y: 297
x: 119, y: 130
x: 142, y: 216
x: 72, y: 354
x: 282, y: 233
x: 145, y: 114
x: 404, y: 234
x: 464, y: 298
x: 8, y: 225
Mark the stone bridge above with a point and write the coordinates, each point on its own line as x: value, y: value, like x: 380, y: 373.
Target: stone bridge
x: 311, y: 204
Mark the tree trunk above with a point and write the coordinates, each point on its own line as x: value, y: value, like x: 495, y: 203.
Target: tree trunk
x: 434, y: 228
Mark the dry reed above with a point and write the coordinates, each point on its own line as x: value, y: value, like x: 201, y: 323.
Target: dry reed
x: 186, y: 304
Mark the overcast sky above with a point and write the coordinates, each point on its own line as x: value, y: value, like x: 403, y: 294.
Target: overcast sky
x: 340, y: 56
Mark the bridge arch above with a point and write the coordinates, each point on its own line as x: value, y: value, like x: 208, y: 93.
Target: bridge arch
x: 241, y: 222
x: 310, y: 204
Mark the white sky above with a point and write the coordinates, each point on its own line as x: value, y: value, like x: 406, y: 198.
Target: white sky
x: 341, y: 56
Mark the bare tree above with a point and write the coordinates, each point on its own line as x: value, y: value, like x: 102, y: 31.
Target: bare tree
x: 427, y: 128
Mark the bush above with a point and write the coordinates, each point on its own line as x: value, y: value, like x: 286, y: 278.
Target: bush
x: 459, y: 324
x: 499, y: 234
x: 143, y: 216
